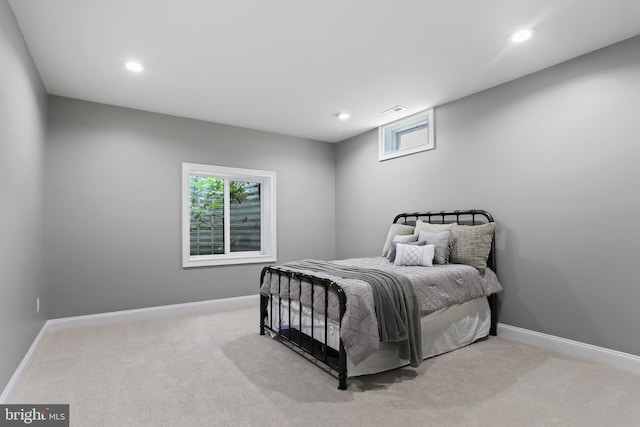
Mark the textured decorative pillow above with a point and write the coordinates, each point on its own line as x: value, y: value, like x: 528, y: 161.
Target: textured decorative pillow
x: 414, y: 255
x: 411, y: 239
x: 472, y: 244
x: 427, y: 226
x: 395, y: 230
x: 442, y: 240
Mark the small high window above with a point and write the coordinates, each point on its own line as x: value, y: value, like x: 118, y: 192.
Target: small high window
x: 409, y: 135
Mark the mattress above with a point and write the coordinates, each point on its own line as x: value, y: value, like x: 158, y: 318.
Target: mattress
x: 442, y: 331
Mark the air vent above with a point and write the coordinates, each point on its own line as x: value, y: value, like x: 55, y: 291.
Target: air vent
x: 393, y: 110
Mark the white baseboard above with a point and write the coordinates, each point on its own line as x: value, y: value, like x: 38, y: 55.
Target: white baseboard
x: 22, y: 367
x: 618, y: 359
x: 200, y: 307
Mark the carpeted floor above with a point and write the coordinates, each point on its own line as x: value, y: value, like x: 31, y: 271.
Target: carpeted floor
x: 215, y: 370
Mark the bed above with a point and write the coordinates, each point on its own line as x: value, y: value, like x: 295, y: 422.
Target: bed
x: 432, y: 291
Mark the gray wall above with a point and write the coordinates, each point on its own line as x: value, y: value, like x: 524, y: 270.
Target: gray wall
x: 554, y: 156
x: 113, y: 205
x: 23, y: 106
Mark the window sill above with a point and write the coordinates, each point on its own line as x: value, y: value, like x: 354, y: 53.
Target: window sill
x: 216, y: 260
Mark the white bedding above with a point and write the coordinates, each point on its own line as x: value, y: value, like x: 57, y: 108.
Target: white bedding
x: 444, y: 330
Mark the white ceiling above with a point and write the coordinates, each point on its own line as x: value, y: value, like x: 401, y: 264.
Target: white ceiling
x: 289, y: 66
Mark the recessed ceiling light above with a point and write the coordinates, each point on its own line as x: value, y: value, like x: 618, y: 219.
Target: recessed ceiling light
x: 133, y: 66
x: 522, y: 35
x: 344, y: 116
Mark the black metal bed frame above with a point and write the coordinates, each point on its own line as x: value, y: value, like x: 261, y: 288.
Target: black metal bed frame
x: 337, y: 360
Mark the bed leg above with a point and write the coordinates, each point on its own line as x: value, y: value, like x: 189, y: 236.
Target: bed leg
x: 494, y: 315
x: 342, y: 364
x: 342, y: 381
x: 264, y: 301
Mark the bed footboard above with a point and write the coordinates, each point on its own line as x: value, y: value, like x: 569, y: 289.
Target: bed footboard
x: 277, y: 318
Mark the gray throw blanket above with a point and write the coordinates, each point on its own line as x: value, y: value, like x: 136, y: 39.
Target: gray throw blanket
x: 397, y: 309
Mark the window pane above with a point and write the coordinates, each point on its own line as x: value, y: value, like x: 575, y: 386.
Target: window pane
x: 206, y: 215
x: 244, y: 207
x: 412, y: 137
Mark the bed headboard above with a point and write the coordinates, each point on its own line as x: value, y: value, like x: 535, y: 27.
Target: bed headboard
x: 468, y: 217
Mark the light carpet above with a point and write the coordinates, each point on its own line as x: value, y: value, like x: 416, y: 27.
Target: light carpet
x: 216, y: 370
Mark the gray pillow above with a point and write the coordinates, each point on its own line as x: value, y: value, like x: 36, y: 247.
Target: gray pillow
x: 395, y: 230
x: 409, y: 240
x: 427, y: 226
x: 472, y: 244
x: 442, y: 241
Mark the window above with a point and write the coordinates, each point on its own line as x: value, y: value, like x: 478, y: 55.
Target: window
x: 406, y: 136
x: 228, y: 215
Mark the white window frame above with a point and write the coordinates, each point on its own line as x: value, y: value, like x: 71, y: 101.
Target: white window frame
x: 389, y: 135
x: 268, y: 232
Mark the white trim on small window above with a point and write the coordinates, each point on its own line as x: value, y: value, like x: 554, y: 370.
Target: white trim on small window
x: 225, y: 255
x: 408, y: 135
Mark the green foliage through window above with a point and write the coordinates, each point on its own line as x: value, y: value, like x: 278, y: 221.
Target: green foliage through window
x: 207, y: 210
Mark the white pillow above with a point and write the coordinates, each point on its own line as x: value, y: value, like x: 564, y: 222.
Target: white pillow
x: 391, y: 256
x: 414, y: 255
